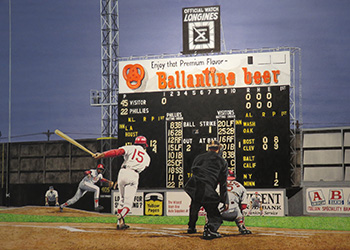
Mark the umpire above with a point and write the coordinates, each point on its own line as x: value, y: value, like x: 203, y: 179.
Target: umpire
x: 208, y: 170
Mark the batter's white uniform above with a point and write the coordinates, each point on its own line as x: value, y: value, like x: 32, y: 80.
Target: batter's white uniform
x: 87, y: 184
x: 136, y: 160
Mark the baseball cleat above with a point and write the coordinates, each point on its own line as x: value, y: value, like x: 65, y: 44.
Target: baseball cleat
x: 121, y: 223
x: 209, y: 235
x: 246, y: 231
x: 61, y: 209
x: 99, y: 208
x: 122, y: 227
x: 191, y: 230
x: 243, y: 230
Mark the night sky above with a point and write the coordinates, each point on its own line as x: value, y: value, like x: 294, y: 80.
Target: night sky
x: 56, y: 58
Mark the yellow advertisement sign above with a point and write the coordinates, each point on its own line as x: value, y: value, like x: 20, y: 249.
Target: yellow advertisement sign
x: 154, y: 204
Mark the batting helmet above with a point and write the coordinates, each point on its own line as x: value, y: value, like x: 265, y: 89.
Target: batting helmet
x: 100, y: 166
x: 141, y: 140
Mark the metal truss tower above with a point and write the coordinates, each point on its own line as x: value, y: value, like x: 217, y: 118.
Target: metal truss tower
x: 107, y: 97
x: 296, y: 117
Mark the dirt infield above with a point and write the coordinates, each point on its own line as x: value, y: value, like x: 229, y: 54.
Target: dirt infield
x: 28, y: 235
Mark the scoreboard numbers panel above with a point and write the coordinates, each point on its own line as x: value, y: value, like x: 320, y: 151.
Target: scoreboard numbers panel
x: 252, y: 123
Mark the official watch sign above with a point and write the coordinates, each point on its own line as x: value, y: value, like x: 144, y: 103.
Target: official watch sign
x: 201, y: 29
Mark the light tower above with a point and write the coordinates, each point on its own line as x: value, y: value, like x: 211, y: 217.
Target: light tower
x: 107, y: 97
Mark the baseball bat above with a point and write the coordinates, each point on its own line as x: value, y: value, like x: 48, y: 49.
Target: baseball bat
x: 71, y: 140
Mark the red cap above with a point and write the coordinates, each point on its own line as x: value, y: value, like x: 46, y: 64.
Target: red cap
x: 141, y: 140
x: 231, y: 175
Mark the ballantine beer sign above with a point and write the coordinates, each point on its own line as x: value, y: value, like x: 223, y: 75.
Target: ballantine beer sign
x: 208, y: 78
x: 205, y: 72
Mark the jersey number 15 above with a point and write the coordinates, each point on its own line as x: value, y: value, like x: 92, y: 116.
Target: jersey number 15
x: 137, y: 156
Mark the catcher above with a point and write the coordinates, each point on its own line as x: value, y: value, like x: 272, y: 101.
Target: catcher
x: 237, y: 195
x: 87, y: 184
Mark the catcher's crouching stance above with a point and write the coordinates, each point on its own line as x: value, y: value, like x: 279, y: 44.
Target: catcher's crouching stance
x: 237, y: 195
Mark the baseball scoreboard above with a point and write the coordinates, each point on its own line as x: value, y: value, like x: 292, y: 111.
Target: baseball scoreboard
x: 182, y: 103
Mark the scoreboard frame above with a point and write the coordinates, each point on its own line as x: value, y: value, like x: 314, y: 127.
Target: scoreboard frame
x: 246, y: 100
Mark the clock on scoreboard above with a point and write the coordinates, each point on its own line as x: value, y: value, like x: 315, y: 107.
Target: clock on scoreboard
x: 181, y: 104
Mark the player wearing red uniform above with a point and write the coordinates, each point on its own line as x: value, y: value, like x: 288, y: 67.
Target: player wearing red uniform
x: 136, y: 160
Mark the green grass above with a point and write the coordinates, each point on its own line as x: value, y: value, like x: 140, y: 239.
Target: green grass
x: 62, y: 219
x: 298, y: 222
x: 301, y: 222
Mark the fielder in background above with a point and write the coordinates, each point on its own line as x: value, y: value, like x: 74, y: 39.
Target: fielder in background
x: 208, y: 170
x: 136, y: 160
x: 256, y: 202
x: 51, y: 197
x: 238, y: 201
x: 87, y: 184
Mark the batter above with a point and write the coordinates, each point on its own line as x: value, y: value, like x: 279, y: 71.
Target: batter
x: 136, y: 160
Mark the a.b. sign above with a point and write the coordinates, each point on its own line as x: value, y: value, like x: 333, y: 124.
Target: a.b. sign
x: 201, y: 29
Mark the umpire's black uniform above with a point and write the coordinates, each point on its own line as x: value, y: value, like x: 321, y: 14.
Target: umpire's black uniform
x: 209, y: 170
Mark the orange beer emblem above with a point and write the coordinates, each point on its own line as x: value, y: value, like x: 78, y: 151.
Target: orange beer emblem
x: 133, y: 74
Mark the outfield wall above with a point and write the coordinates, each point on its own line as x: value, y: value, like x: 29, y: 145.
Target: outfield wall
x: 321, y: 189
x: 177, y: 202
x: 34, y: 166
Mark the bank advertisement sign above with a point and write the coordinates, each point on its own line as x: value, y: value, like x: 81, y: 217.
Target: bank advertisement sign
x: 332, y: 200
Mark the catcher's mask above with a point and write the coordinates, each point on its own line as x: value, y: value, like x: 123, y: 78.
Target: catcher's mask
x: 101, y: 168
x: 141, y: 140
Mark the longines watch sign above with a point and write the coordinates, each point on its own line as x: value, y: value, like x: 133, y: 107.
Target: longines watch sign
x: 201, y: 29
